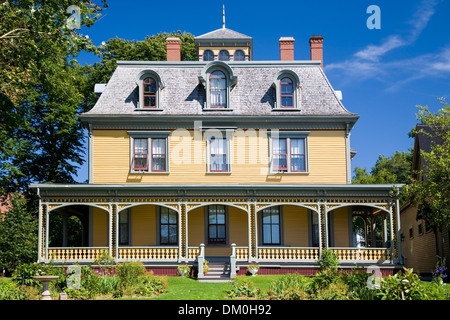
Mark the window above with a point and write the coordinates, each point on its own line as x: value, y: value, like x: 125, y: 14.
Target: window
x: 124, y: 228
x: 218, y: 154
x: 149, y: 93
x: 420, y: 229
x: 411, y: 234
x: 287, y: 93
x: 140, y: 154
x: 288, y: 154
x: 168, y: 226
x: 208, y: 55
x: 271, y: 226
x: 239, y: 55
x: 149, y: 151
x: 218, y: 80
x: 158, y: 155
x: 279, y: 155
x: 218, y: 94
x: 224, y: 55
x: 150, y: 86
x: 286, y: 84
x: 216, y: 224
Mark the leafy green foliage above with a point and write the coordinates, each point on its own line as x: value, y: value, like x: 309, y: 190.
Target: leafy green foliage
x: 290, y: 286
x: 431, y: 186
x: 18, y: 236
x: 243, y: 287
x: 41, y: 138
x: 402, y: 286
x: 393, y: 169
x: 128, y: 274
x: 328, y: 260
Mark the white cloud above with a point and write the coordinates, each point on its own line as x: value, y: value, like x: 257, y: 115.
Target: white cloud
x: 369, y: 63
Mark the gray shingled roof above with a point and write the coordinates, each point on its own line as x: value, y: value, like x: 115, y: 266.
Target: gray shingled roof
x: 253, y: 94
x: 223, y: 33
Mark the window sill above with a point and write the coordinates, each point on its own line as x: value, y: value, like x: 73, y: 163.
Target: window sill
x: 148, y: 109
x: 288, y: 173
x: 217, y: 109
x: 286, y: 109
x: 148, y: 172
x: 218, y: 172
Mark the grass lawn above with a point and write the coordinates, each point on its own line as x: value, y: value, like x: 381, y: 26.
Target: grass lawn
x: 183, y: 288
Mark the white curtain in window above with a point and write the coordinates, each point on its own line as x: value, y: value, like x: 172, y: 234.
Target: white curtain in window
x: 159, y: 154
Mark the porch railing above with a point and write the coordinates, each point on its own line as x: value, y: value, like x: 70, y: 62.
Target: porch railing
x: 288, y: 253
x: 76, y: 254
x: 362, y: 254
x: 148, y: 253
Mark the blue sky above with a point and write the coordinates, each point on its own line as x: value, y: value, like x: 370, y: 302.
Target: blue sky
x: 383, y: 73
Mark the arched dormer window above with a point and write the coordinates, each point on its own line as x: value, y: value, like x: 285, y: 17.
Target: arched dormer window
x: 224, y: 55
x: 286, y: 93
x: 218, y: 89
x: 208, y: 55
x: 150, y: 86
x: 149, y: 93
x: 287, y: 88
x: 218, y: 79
x: 239, y: 55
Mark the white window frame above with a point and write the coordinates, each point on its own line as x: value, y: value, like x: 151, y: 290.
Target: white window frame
x: 275, y: 134
x: 218, y: 134
x: 149, y: 135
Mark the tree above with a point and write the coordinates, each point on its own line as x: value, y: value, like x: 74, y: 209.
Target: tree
x: 40, y: 137
x: 387, y: 170
x: 152, y: 48
x: 18, y: 236
x: 430, y: 188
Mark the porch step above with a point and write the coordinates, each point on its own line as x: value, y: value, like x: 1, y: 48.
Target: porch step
x: 218, y: 272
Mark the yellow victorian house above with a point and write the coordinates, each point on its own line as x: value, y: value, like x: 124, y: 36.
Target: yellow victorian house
x: 225, y: 159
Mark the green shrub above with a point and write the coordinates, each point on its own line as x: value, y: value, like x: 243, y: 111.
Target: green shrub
x: 11, y: 291
x: 243, y: 287
x: 128, y: 274
x: 108, y: 284
x: 323, y: 279
x: 151, y: 285
x: 328, y: 260
x: 334, y: 291
x: 402, y: 286
x: 290, y: 286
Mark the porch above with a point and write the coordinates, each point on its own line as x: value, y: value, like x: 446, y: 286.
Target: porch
x: 274, y: 226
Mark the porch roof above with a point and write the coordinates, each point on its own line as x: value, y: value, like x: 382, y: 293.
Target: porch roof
x: 222, y: 189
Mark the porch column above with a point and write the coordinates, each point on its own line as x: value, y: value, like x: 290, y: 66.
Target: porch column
x: 253, y: 236
x: 42, y: 240
x: 399, y: 240
x: 183, y: 250
x: 323, y: 222
x: 113, y: 234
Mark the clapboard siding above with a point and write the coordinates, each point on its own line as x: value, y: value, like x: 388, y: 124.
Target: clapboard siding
x: 249, y: 160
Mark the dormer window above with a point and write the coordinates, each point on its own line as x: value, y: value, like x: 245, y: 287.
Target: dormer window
x: 218, y: 80
x: 224, y: 55
x: 286, y: 93
x: 218, y: 89
x: 150, y: 86
x: 149, y: 93
x: 208, y: 55
x: 287, y: 88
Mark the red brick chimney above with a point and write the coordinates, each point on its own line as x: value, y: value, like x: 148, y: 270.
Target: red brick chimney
x: 173, y: 49
x: 316, y: 44
x: 286, y: 48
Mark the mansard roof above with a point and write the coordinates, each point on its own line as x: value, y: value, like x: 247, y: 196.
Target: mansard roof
x: 252, y: 95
